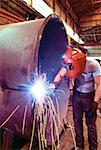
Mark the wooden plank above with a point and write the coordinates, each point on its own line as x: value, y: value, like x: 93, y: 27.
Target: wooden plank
x: 6, y: 17
x: 87, y: 10
x: 70, y: 10
x: 90, y: 24
x: 90, y: 18
x: 5, y: 21
x: 10, y: 9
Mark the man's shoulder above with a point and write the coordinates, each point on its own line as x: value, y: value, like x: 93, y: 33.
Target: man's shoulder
x: 91, y: 61
x: 91, y: 65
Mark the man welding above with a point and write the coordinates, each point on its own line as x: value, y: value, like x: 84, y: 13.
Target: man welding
x: 86, y: 94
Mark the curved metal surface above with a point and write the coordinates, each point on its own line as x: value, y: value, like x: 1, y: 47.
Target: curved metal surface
x: 28, y: 48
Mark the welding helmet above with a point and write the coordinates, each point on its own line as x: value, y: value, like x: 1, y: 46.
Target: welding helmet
x: 74, y: 61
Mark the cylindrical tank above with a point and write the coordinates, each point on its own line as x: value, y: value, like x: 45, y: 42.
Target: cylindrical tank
x: 28, y: 48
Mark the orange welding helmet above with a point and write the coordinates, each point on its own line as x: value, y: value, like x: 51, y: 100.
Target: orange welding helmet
x: 74, y: 60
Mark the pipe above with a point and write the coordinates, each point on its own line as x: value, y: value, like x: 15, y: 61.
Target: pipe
x: 26, y: 49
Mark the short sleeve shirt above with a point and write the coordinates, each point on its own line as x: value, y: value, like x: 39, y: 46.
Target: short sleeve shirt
x: 85, y: 83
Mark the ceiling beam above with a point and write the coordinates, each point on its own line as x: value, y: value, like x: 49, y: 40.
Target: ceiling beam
x: 89, y: 10
x: 23, y: 5
x: 9, y: 16
x: 70, y: 14
x: 80, y: 3
x: 9, y: 9
x: 68, y: 9
x: 92, y: 44
x: 90, y: 18
x: 96, y: 1
x: 89, y: 34
x: 90, y: 24
x: 17, y: 9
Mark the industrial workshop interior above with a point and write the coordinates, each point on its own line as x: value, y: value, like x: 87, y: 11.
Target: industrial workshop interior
x: 50, y: 74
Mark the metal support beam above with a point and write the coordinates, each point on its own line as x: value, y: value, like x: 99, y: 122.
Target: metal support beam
x: 92, y: 44
x: 91, y: 34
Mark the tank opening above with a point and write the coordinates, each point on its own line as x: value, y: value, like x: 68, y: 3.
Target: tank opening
x: 52, y: 46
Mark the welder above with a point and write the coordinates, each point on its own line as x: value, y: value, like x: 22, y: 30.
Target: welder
x: 86, y: 74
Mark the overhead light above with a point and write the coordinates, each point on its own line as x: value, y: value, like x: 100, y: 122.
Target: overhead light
x: 42, y: 7
x: 28, y: 2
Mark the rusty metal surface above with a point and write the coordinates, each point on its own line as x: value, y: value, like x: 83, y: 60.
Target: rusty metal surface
x: 28, y: 48
x: 16, y: 54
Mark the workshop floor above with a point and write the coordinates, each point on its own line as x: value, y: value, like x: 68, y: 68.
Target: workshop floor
x: 66, y: 140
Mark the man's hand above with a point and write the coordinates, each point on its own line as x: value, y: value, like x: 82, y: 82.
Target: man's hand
x: 56, y: 84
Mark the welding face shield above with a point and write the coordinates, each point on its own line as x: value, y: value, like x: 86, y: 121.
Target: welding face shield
x: 74, y: 61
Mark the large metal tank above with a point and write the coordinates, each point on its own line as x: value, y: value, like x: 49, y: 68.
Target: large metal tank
x: 28, y: 48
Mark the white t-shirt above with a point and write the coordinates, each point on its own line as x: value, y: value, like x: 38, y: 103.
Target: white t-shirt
x: 85, y: 83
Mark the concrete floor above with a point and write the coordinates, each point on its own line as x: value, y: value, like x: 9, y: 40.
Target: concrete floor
x: 66, y: 140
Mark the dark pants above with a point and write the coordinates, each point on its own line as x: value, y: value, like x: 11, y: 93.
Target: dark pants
x: 82, y: 103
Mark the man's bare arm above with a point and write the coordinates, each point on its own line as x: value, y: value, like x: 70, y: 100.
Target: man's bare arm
x: 59, y: 75
x: 98, y: 88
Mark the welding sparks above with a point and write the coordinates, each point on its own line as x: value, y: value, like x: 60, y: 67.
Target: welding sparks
x: 46, y: 117
x: 45, y: 114
x: 38, y: 90
x: 41, y: 88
